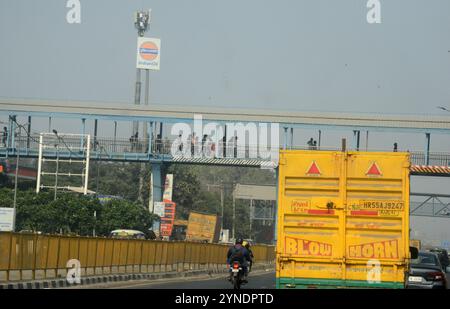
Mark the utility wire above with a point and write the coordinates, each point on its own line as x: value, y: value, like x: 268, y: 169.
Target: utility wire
x: 65, y: 144
x: 28, y: 133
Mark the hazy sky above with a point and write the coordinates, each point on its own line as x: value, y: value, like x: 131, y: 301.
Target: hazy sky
x: 305, y: 55
x: 318, y: 55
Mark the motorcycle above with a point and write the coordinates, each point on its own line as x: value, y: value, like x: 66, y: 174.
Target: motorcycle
x: 236, y: 275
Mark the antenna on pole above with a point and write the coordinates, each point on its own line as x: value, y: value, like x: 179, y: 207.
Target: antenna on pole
x: 142, y: 20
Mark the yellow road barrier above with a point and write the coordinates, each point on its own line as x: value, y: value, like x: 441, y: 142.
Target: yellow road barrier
x: 49, y: 254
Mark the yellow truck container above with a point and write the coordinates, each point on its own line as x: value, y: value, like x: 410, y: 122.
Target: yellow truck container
x: 343, y: 219
x: 203, y: 227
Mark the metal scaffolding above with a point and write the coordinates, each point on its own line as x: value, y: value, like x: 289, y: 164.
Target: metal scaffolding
x: 433, y: 205
x: 79, y: 145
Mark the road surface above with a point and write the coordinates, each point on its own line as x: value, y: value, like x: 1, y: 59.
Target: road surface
x: 257, y: 280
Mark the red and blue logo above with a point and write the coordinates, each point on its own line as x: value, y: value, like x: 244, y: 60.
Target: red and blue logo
x: 148, y: 51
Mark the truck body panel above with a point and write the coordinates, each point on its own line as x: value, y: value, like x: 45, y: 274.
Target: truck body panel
x: 343, y: 219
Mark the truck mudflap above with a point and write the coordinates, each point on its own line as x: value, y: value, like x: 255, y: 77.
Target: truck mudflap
x: 307, y: 283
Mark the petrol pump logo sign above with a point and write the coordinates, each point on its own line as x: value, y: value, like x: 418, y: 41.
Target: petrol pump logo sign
x: 148, y: 53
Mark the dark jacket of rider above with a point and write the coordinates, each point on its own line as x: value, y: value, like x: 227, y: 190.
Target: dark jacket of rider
x: 238, y: 253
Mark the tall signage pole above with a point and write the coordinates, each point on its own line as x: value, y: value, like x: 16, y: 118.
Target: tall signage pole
x: 142, y: 19
x: 141, y: 22
x: 148, y: 58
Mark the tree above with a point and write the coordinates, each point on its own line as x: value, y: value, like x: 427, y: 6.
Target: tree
x: 119, y: 179
x: 186, y: 189
x: 74, y: 213
x: 119, y: 214
x: 4, y: 180
x: 207, y: 202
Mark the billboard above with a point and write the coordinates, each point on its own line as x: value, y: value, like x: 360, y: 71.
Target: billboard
x: 148, y: 53
x: 168, y: 188
x: 168, y: 219
x: 6, y: 219
x: 224, y: 236
x: 203, y: 227
x: 159, y: 208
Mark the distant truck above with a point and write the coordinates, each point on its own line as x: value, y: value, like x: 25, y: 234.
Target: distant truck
x: 203, y: 228
x: 415, y: 243
x: 179, y: 229
x: 343, y: 219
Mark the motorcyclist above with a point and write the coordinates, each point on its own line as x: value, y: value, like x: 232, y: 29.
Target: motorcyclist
x: 240, y: 254
x: 246, y: 244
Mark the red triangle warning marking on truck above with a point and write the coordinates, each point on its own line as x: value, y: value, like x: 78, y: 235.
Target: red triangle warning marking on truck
x: 313, y: 169
x: 374, y: 170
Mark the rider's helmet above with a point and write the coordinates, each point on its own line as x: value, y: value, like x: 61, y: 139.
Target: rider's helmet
x: 239, y: 241
x: 246, y: 244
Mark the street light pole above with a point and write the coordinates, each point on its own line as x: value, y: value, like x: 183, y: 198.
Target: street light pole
x: 234, y: 215
x: 221, y: 205
x: 57, y: 168
x: 222, y: 193
x: 98, y: 171
x: 15, y: 190
x: 98, y: 175
x: 57, y: 163
x: 95, y: 222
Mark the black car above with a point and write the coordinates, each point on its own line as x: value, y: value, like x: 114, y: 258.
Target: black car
x: 443, y: 256
x: 426, y: 272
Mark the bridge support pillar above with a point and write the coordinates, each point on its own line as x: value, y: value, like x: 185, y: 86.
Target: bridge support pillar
x: 356, y: 139
x: 28, y: 133
x: 95, y: 134
x: 320, y: 139
x: 427, y: 148
x: 8, y: 137
x: 157, y: 182
x: 150, y: 137
x: 12, y: 131
x: 83, y: 131
x: 367, y: 140
x: 292, y: 138
x: 115, y: 136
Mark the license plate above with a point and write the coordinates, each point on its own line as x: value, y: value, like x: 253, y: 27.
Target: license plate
x: 415, y: 279
x: 235, y: 270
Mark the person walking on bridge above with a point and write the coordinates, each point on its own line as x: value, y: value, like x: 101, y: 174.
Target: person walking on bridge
x: 5, y: 136
x: 310, y: 143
